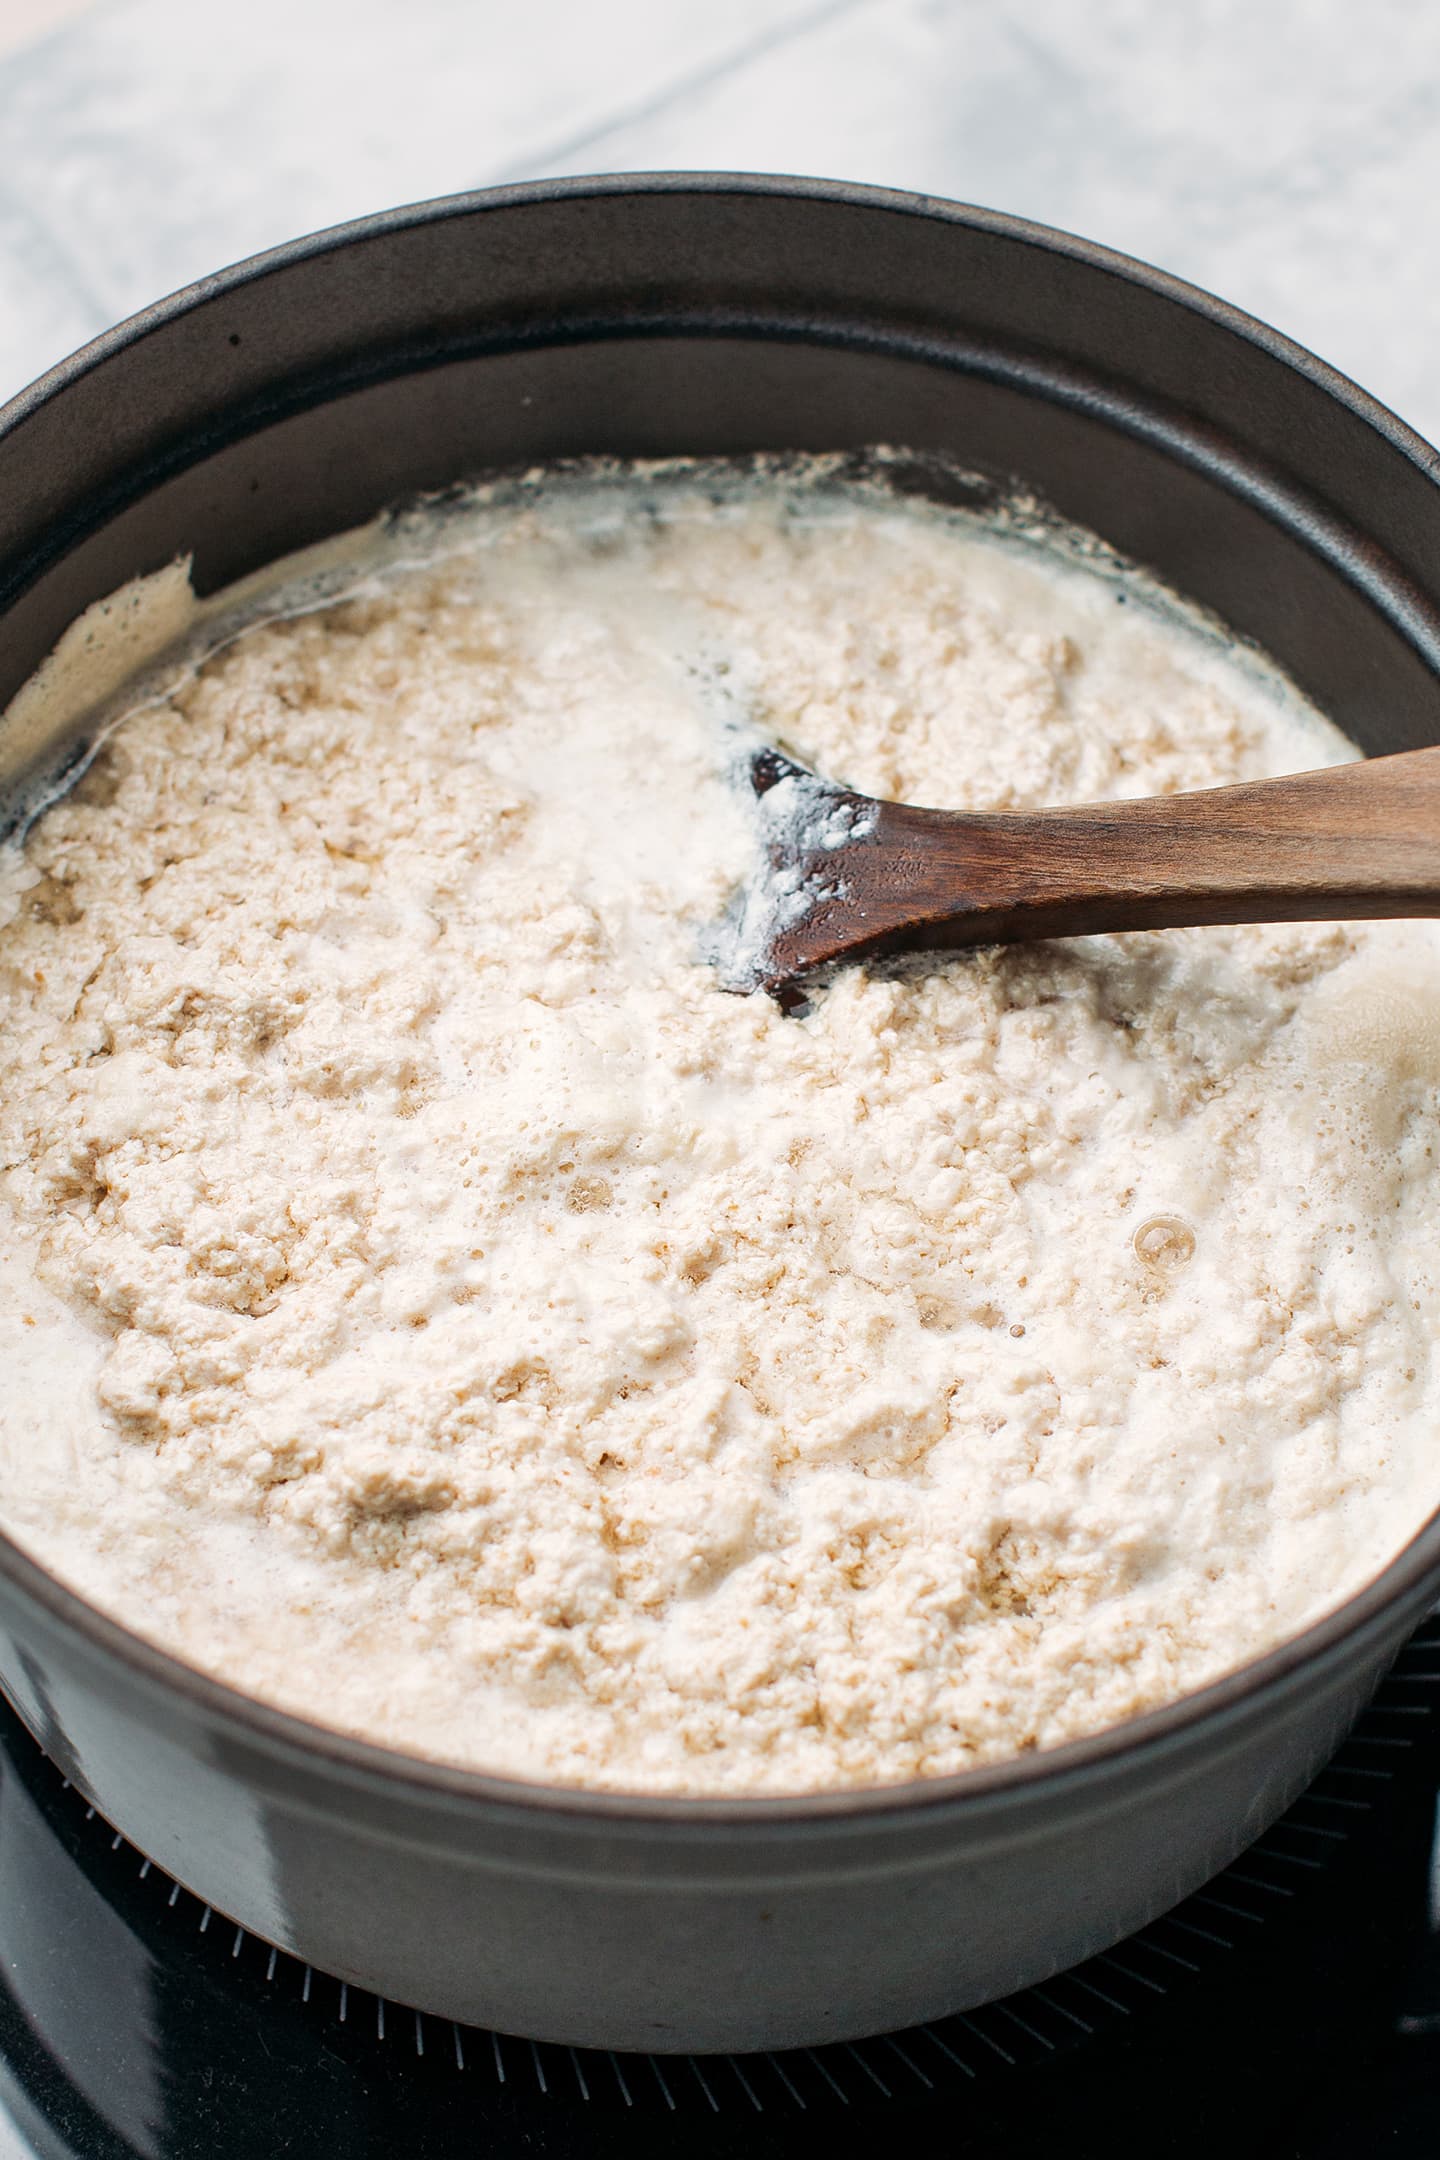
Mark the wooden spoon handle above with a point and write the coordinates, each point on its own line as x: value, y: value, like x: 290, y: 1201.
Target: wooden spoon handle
x: 1357, y: 840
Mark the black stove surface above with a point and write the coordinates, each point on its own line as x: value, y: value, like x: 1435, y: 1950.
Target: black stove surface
x: 1291, y: 2008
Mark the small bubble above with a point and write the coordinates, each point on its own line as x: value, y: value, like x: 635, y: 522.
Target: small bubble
x: 589, y: 1196
x: 1164, y: 1241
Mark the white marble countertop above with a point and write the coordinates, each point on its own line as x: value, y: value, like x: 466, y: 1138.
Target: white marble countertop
x: 1288, y: 158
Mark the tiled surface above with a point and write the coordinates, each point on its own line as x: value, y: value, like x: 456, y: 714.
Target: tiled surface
x: 1286, y: 157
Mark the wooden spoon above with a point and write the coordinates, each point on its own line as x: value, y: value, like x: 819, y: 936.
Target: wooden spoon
x: 857, y: 876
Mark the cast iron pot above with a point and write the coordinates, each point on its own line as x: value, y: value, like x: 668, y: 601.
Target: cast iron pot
x: 292, y: 397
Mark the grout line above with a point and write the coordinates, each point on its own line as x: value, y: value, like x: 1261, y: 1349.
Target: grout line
x: 688, y: 84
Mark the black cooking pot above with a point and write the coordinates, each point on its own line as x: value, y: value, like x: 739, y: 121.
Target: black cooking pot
x: 294, y: 396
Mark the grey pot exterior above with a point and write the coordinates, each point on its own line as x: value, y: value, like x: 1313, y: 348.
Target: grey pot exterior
x: 296, y: 396
x: 677, y: 1926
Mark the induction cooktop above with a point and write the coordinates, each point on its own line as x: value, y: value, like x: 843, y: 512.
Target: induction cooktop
x: 1290, y: 2008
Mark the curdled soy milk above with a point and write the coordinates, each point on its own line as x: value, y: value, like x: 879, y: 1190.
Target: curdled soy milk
x: 431, y: 1302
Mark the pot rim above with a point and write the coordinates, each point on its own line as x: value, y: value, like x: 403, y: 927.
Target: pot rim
x: 416, y: 1776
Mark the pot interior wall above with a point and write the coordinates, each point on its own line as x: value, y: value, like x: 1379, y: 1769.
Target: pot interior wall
x: 1236, y: 534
